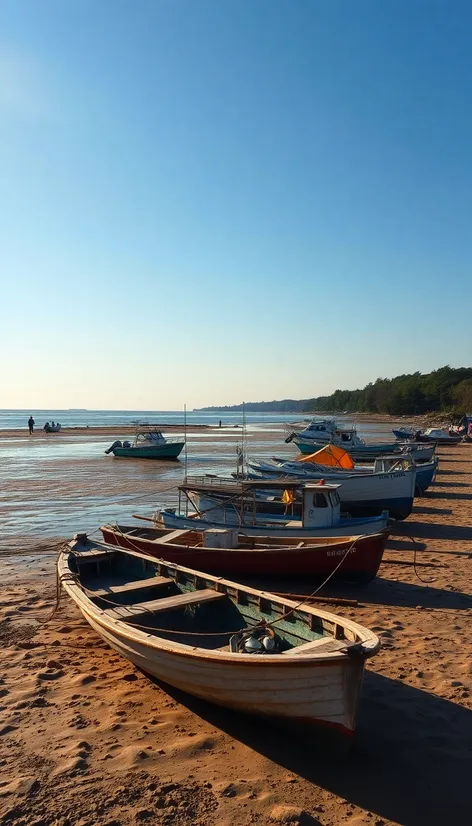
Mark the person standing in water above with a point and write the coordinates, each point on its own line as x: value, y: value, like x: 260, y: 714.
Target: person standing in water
x: 31, y: 424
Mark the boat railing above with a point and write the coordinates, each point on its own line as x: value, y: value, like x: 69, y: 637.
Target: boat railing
x: 210, y: 481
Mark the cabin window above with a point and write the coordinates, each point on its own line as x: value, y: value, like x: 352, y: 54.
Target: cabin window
x: 319, y: 500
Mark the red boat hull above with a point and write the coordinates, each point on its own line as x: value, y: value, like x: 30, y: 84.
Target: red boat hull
x: 361, y: 563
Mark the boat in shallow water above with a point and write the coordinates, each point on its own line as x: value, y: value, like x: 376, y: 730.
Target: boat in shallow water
x: 229, y: 644
x: 229, y: 553
x: 148, y: 444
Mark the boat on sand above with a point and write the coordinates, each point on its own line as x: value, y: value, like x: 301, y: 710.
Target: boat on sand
x: 147, y: 444
x: 229, y: 553
x: 227, y: 502
x: 229, y: 644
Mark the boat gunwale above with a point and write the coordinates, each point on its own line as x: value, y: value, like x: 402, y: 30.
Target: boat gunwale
x: 369, y: 641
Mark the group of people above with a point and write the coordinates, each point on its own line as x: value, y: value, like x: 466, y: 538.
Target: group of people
x: 48, y: 428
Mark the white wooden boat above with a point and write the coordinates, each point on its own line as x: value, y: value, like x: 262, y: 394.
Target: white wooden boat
x: 194, y: 631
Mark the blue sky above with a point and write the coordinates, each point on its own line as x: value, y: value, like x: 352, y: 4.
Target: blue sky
x: 209, y: 202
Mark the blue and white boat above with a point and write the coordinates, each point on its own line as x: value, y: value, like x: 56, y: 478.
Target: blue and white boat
x: 320, y: 510
x: 388, y: 489
x: 359, y: 450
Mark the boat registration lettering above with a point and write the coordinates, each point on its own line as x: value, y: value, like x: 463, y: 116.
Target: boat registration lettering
x: 340, y: 553
x: 395, y: 475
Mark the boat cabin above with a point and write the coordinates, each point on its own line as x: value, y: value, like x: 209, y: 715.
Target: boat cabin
x: 318, y: 426
x: 321, y: 505
x: 146, y: 437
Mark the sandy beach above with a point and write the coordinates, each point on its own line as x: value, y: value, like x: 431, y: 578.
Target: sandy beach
x: 87, y: 739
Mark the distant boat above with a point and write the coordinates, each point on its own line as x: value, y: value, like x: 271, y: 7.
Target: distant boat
x: 226, y: 643
x: 405, y: 433
x: 148, y: 445
x: 318, y: 431
x: 441, y: 437
x: 52, y: 428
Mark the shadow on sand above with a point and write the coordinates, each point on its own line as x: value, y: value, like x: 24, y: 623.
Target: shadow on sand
x: 439, y: 494
x: 440, y: 484
x: 426, y: 510
x: 407, y: 764
x: 427, y: 530
x: 381, y: 591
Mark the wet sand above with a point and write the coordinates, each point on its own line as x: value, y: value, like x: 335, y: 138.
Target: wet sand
x: 113, y: 431
x: 87, y: 739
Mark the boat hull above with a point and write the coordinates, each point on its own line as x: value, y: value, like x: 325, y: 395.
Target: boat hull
x: 325, y: 697
x: 361, y: 451
x: 168, y: 451
x: 229, y: 518
x: 361, y: 563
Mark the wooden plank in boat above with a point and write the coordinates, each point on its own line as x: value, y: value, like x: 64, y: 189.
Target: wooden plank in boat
x: 171, y: 537
x: 327, y: 646
x: 131, y: 612
x: 129, y: 587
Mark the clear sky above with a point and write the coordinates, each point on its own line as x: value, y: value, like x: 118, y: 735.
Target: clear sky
x: 210, y: 201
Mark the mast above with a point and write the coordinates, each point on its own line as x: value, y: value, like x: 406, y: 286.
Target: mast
x: 185, y: 437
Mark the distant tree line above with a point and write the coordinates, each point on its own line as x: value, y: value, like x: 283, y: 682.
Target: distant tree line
x: 448, y: 389
x: 283, y: 406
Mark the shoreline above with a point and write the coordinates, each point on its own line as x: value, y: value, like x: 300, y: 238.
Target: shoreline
x: 104, y: 430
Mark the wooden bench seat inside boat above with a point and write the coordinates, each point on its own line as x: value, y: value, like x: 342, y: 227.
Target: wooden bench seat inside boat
x: 171, y: 537
x: 133, y: 612
x: 326, y: 645
x: 131, y: 587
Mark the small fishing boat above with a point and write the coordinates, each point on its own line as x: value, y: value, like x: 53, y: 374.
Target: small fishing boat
x: 360, y: 450
x: 148, y: 444
x: 229, y: 644
x: 390, y: 491
x: 440, y: 436
x: 318, y: 430
x: 405, y: 433
x: 348, y: 440
x: 229, y: 553
x: 362, y: 492
x: 319, y: 504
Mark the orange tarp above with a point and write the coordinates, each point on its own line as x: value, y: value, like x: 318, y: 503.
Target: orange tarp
x: 331, y: 456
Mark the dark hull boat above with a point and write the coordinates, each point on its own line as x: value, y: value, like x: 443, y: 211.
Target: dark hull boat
x: 353, y: 558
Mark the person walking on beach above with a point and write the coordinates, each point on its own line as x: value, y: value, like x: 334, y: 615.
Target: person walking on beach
x: 31, y: 425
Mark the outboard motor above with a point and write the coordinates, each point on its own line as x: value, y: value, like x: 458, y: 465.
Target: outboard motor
x: 115, y: 444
